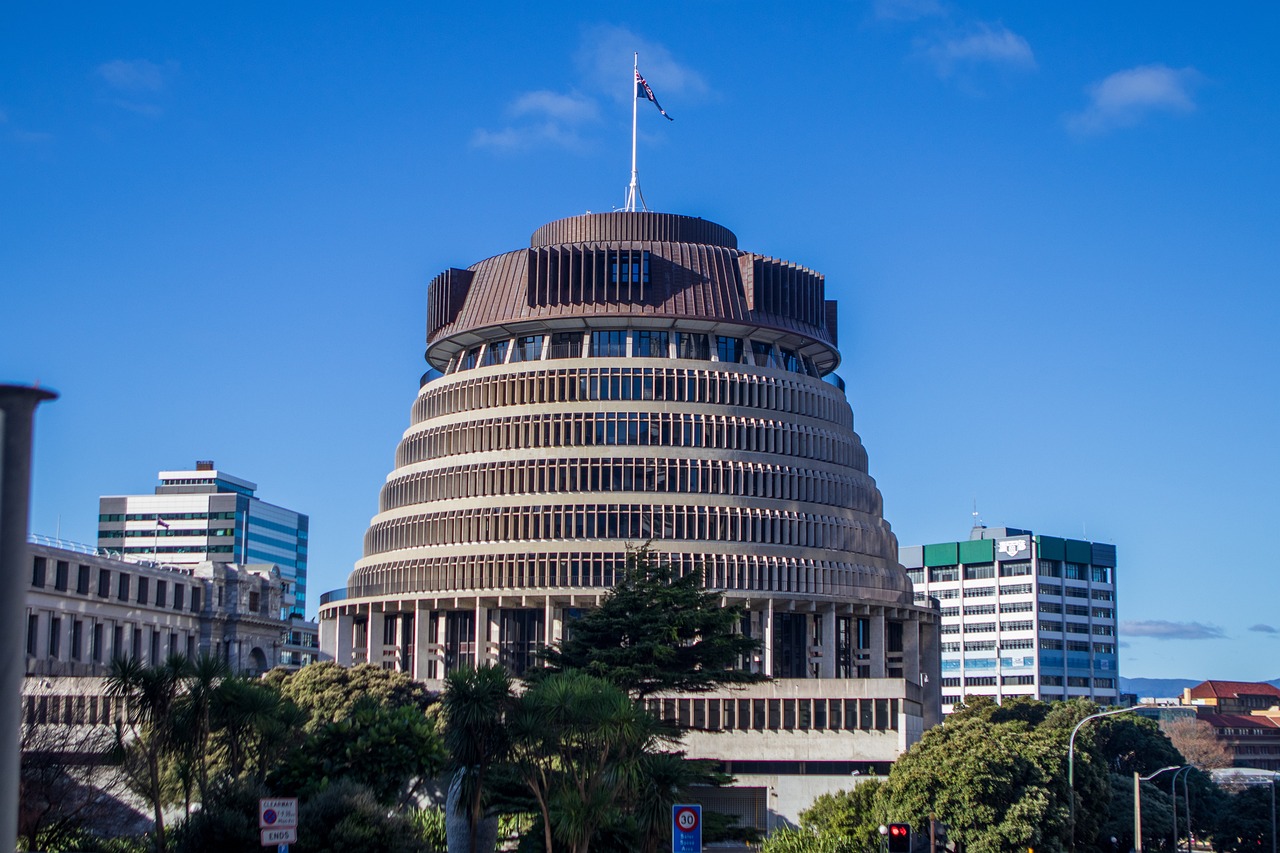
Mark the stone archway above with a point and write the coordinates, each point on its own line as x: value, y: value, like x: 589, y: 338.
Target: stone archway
x: 258, y: 661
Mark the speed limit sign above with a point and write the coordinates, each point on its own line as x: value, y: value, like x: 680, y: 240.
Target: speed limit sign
x: 686, y: 829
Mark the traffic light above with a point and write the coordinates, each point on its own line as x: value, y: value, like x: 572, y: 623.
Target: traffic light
x: 899, y: 838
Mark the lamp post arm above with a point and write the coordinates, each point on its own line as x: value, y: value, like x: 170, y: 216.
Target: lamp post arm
x: 1071, y: 765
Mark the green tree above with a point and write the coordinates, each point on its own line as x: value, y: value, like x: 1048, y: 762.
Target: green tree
x: 1157, y: 814
x: 255, y: 726
x: 1244, y: 820
x: 389, y: 751
x: 854, y: 816
x: 792, y: 840
x: 146, y: 727
x: 657, y: 631
x: 475, y: 705
x: 346, y: 817
x: 996, y: 775
x: 575, y: 742
x: 328, y: 692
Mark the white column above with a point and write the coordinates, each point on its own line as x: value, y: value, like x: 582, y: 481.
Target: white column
x: 373, y: 636
x: 768, y: 639
x: 877, y: 643
x: 829, y: 620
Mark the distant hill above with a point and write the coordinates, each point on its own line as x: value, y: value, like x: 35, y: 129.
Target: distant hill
x: 1162, y: 688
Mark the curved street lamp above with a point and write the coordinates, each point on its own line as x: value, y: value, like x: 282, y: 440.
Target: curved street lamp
x: 1137, y: 804
x: 1173, y: 793
x: 1071, y: 764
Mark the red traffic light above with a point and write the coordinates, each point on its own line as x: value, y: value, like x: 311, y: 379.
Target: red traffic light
x: 899, y: 838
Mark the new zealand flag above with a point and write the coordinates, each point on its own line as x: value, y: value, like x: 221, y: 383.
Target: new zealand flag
x: 643, y: 91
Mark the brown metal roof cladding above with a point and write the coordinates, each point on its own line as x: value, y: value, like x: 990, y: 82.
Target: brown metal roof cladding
x: 1231, y: 689
x: 1239, y: 721
x: 696, y: 273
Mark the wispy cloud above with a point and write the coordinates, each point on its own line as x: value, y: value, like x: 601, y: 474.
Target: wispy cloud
x: 906, y: 10
x: 565, y: 119
x: 604, y: 69
x: 136, y: 75
x: 1264, y: 629
x: 982, y: 45
x: 1160, y: 629
x: 1127, y: 97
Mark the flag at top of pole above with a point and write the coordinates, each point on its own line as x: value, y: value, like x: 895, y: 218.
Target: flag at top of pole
x: 644, y: 91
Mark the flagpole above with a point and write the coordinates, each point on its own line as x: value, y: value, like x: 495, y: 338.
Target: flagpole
x: 634, y: 189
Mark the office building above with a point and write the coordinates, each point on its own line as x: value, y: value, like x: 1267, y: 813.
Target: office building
x: 1022, y: 615
x: 207, y: 515
x: 630, y: 378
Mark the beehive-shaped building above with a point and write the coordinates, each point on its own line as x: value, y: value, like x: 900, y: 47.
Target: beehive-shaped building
x: 632, y: 378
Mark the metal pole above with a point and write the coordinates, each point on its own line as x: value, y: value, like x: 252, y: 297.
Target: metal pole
x: 633, y: 190
x: 1173, y: 794
x: 1137, y: 813
x: 17, y: 410
x: 1071, y: 765
x: 1273, y: 813
x: 1186, y: 793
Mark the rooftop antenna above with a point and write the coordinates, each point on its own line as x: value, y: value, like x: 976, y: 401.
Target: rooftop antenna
x: 977, y: 520
x: 634, y: 195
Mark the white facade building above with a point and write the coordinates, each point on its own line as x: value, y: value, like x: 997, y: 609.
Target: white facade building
x: 207, y: 515
x: 1022, y: 615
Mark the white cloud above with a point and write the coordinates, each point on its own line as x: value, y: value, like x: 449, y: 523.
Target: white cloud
x: 136, y: 75
x: 572, y: 108
x: 1161, y: 629
x: 603, y: 59
x: 1263, y: 629
x: 906, y: 10
x: 549, y: 118
x: 983, y: 44
x: 1127, y: 97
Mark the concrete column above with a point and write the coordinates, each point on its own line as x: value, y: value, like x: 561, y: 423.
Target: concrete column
x: 373, y: 637
x: 481, y: 635
x: 549, y: 633
x: 768, y: 639
x: 422, y: 641
x: 343, y: 635
x: 877, y: 643
x: 911, y: 649
x: 930, y: 672
x: 442, y: 632
x: 828, y: 668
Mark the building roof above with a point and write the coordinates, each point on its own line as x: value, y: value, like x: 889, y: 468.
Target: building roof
x: 1233, y: 689
x: 1240, y: 721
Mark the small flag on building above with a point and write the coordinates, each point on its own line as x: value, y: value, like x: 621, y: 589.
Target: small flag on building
x: 162, y: 523
x: 643, y: 91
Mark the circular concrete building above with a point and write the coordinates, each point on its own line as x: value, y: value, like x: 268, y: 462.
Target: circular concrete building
x: 633, y: 378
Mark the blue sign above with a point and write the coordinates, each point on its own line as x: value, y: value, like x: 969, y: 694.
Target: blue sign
x: 686, y: 828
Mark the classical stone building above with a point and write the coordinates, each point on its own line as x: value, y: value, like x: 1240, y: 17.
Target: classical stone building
x: 633, y: 378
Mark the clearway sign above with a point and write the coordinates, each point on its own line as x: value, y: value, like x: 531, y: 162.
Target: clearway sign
x: 277, y: 812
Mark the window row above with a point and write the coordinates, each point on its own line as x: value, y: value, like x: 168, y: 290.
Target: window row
x: 70, y: 709
x: 751, y: 572
x: 639, y: 522
x: 162, y: 532
x: 123, y: 586
x: 83, y: 639
x: 708, y: 387
x: 662, y: 475
x: 778, y: 714
x: 165, y: 516
x: 634, y: 429
x: 624, y: 343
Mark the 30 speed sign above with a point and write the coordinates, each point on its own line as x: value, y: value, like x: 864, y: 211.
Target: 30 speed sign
x: 686, y: 828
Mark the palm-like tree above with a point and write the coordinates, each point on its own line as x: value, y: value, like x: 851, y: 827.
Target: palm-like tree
x: 577, y: 741
x: 148, y: 695
x: 475, y: 705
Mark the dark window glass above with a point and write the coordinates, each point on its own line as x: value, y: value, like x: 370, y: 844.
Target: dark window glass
x: 610, y: 343
x: 566, y: 345
x: 729, y: 349
x: 651, y: 344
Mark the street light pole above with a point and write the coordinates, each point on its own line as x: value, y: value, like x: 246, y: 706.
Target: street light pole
x: 1137, y: 805
x: 1173, y: 794
x: 1071, y: 765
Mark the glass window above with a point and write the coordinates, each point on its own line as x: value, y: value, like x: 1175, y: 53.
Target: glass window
x: 693, y: 346
x: 566, y: 345
x: 650, y: 344
x: 469, y: 359
x: 729, y: 349
x: 528, y: 348
x: 496, y: 353
x: 611, y: 343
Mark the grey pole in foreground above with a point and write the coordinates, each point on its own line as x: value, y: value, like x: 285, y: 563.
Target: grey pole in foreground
x: 17, y: 409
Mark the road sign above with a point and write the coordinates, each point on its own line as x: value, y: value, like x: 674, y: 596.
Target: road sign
x: 686, y: 828
x: 276, y: 812
x: 279, y: 835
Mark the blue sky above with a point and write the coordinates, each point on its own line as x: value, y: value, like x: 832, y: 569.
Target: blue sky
x: 1052, y: 232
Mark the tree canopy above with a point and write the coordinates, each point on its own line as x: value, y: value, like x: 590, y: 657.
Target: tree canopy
x: 657, y: 631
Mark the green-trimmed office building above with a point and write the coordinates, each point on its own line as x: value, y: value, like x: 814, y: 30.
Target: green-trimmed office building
x: 1022, y: 614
